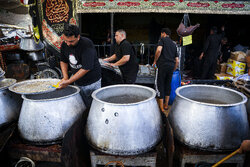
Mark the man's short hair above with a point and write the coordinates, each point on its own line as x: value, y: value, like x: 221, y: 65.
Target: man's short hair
x: 121, y: 31
x: 70, y: 30
x: 166, y: 30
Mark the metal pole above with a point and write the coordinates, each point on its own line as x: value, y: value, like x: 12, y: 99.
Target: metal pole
x: 183, y: 48
x: 112, y: 27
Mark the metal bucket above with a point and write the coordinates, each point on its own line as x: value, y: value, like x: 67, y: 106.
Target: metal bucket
x: 124, y: 120
x: 209, y: 117
x: 47, y: 117
x: 10, y: 103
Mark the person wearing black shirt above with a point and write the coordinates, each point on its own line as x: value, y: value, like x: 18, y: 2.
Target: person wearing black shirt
x: 211, y: 52
x: 80, y: 55
x: 166, y: 59
x: 125, y: 58
x: 225, y: 50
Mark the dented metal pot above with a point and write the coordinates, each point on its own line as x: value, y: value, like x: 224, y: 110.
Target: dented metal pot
x: 124, y: 120
x: 47, y: 117
x: 209, y: 117
x: 10, y: 103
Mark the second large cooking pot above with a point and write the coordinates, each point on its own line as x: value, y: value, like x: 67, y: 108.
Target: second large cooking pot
x: 124, y: 120
x: 209, y: 117
x: 46, y: 117
x: 10, y: 103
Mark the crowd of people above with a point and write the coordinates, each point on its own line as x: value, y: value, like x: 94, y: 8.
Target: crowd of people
x: 79, y: 54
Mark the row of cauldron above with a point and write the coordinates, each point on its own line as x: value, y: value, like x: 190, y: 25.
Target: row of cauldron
x: 125, y: 119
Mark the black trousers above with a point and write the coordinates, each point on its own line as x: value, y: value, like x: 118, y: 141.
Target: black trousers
x: 209, y: 68
x: 129, y: 77
x: 163, y: 82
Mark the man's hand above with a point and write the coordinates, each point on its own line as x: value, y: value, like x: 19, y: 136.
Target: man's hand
x: 201, y: 56
x: 63, y: 83
x: 106, y: 59
x: 109, y: 64
x: 245, y: 146
x: 154, y: 65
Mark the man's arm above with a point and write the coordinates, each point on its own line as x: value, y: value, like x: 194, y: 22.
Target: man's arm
x: 176, y: 63
x: 111, y: 58
x: 64, y: 68
x: 65, y: 82
x: 245, y: 146
x: 157, y: 54
x: 205, y: 47
x: 122, y: 61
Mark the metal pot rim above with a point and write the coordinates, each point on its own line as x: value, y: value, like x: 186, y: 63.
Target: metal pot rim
x: 244, y: 98
x: 52, y: 99
x: 124, y: 85
x: 7, y: 86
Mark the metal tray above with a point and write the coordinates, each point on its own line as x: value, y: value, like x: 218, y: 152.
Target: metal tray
x: 1, y: 73
x: 34, y: 86
x: 114, y: 69
x: 6, y: 82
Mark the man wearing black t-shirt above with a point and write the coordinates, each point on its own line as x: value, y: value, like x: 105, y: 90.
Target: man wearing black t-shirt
x: 79, y: 53
x: 125, y: 58
x: 166, y: 59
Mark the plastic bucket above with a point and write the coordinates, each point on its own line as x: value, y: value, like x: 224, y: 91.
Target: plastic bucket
x: 175, y: 83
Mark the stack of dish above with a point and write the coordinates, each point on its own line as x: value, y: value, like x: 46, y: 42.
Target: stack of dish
x: 1, y: 74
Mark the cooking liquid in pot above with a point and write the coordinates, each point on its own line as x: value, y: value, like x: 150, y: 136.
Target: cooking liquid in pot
x: 124, y: 99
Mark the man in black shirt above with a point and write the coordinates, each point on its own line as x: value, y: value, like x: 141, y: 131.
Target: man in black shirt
x: 125, y: 58
x: 79, y: 53
x: 166, y: 59
x: 211, y: 52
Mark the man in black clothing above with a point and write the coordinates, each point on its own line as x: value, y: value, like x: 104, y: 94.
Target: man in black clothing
x: 166, y: 59
x: 225, y: 50
x: 125, y: 58
x: 210, y: 53
x: 79, y: 53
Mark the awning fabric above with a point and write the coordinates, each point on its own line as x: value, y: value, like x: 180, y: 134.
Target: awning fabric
x: 240, y: 7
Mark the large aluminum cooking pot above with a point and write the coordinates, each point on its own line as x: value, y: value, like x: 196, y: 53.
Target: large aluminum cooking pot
x: 47, y: 117
x: 29, y: 44
x: 10, y: 103
x: 209, y: 117
x: 124, y: 120
x: 36, y: 56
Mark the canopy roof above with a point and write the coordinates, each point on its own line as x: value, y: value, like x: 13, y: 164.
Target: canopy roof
x: 239, y: 7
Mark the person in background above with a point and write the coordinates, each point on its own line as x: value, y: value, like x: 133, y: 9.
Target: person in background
x: 225, y: 50
x: 166, y: 59
x: 125, y: 58
x: 80, y: 55
x: 211, y: 52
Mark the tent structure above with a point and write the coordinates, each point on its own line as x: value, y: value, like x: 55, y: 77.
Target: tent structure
x: 53, y: 14
x: 164, y: 6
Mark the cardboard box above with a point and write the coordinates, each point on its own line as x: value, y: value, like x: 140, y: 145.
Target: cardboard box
x: 238, y: 56
x: 223, y: 67
x: 235, y: 71
x: 223, y: 76
x: 236, y: 64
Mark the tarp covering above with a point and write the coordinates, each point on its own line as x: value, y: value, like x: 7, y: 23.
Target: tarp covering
x: 241, y: 7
